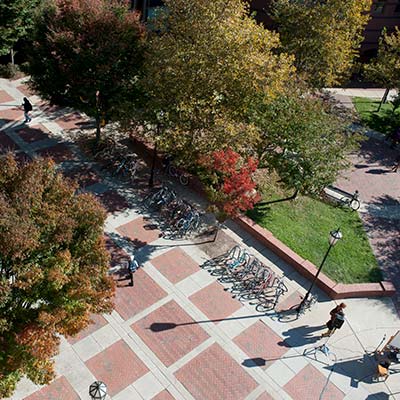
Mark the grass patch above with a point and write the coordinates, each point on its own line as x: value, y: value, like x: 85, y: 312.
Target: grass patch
x: 304, y: 225
x: 384, y: 121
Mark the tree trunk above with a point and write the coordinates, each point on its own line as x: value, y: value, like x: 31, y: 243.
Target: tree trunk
x: 218, y: 227
x: 12, y: 56
x: 98, y: 129
x: 384, y: 98
x: 153, y: 166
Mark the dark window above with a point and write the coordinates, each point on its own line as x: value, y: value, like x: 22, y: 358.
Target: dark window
x: 378, y: 7
x: 397, y: 9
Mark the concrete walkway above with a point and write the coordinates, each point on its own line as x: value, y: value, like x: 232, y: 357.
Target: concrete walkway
x: 379, y: 190
x: 358, y: 92
x: 176, y: 334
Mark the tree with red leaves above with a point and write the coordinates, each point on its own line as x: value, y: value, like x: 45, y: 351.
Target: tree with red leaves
x: 229, y: 182
x: 53, y: 267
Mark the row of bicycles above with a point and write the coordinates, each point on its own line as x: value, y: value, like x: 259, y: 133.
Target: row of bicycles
x: 178, y: 218
x: 251, y: 279
x: 115, y: 158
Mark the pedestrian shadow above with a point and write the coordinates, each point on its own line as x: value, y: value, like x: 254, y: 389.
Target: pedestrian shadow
x: 360, y: 166
x: 301, y: 336
x: 377, y: 171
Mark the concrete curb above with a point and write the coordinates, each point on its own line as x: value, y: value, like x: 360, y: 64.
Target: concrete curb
x: 308, y: 270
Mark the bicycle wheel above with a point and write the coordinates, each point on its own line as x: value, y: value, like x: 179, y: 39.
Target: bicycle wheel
x: 266, y: 305
x: 345, y: 201
x: 354, y: 204
x: 184, y: 179
x: 172, y: 171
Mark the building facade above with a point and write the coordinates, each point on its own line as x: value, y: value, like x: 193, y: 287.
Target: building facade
x: 384, y: 13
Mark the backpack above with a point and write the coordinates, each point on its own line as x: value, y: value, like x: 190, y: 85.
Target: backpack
x: 29, y: 107
x: 338, y: 321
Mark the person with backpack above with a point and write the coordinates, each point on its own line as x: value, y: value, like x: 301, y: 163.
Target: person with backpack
x: 336, y: 321
x: 27, y: 108
x: 132, y: 267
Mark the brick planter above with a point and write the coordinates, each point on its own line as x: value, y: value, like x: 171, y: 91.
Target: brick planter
x: 308, y: 270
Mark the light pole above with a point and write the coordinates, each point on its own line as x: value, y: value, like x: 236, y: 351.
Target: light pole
x: 334, y: 237
x: 98, y: 390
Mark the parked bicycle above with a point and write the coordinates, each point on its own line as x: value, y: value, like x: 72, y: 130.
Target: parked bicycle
x: 178, y: 218
x: 251, y: 279
x: 353, y: 202
x: 127, y: 167
x: 174, y: 171
x: 155, y: 200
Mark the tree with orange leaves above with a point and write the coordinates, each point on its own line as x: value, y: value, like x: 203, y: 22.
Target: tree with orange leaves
x: 229, y: 183
x: 53, y: 267
x: 88, y: 54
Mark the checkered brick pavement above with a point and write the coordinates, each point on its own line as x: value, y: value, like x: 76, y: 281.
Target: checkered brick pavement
x: 176, y: 334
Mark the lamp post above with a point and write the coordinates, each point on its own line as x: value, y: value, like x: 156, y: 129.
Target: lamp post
x: 334, y: 237
x: 98, y: 390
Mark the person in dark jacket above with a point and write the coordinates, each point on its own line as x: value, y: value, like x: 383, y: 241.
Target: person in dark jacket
x: 336, y: 321
x: 27, y: 109
x: 396, y: 164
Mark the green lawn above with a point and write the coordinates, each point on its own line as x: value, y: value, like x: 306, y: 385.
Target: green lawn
x: 304, y: 226
x: 384, y: 121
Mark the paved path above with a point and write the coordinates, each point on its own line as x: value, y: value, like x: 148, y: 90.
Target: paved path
x: 359, y: 92
x: 379, y: 189
x: 176, y: 334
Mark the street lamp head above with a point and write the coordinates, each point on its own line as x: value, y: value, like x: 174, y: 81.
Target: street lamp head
x: 98, y: 390
x: 335, y: 236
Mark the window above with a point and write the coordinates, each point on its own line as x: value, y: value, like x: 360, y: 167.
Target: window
x: 397, y: 9
x: 378, y: 7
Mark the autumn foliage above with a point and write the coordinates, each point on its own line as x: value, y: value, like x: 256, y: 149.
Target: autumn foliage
x: 229, y: 182
x: 87, y: 54
x: 53, y: 267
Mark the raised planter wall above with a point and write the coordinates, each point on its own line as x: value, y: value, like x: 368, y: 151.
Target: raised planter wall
x: 308, y: 270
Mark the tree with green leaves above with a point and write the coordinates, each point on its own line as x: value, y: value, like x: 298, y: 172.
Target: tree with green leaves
x: 88, y: 54
x: 305, y: 139
x: 385, y: 68
x: 205, y: 62
x: 17, y: 20
x: 324, y: 36
x: 53, y: 267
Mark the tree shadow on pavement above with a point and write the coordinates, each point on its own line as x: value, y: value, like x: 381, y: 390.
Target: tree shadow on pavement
x: 383, y: 226
x: 261, y: 362
x: 374, y: 151
x: 166, y: 326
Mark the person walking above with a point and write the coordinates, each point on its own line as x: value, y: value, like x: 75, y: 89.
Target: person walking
x: 132, y: 267
x: 336, y: 321
x: 27, y: 109
x: 396, y: 164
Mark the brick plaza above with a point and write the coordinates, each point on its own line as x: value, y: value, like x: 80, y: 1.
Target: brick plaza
x: 176, y: 334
